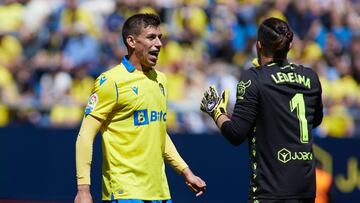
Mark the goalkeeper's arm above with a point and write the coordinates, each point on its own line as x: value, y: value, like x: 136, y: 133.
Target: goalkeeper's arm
x: 236, y: 129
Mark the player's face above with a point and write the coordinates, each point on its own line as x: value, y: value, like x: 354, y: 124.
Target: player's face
x: 148, y: 45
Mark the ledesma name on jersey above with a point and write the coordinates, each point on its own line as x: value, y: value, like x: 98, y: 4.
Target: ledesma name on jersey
x: 291, y: 77
x: 144, y: 117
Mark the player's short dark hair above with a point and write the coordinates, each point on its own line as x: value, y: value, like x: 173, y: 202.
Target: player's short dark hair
x: 137, y: 22
x: 275, y: 37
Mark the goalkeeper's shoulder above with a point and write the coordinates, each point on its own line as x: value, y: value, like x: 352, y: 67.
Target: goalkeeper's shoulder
x: 252, y: 68
x: 251, y: 72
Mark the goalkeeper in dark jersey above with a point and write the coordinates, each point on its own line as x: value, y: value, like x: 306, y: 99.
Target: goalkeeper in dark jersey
x: 278, y: 104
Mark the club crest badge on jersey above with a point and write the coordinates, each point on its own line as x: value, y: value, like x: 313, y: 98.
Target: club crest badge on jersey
x: 241, y: 89
x: 162, y: 89
x: 91, y: 103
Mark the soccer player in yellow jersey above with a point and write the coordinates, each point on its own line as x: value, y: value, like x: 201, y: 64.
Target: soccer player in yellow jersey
x: 128, y: 106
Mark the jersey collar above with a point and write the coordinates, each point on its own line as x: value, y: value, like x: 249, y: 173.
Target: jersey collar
x: 279, y: 62
x: 129, y: 67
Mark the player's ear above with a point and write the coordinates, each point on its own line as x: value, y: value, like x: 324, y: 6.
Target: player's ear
x: 258, y: 45
x: 258, y: 51
x: 130, y: 39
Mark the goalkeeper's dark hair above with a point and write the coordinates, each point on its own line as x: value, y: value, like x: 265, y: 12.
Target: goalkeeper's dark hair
x: 137, y: 22
x: 275, y: 37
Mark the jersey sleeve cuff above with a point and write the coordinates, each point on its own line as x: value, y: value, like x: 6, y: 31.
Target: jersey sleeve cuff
x: 83, y: 181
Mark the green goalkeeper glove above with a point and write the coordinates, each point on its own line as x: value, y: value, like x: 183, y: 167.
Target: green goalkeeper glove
x: 214, y: 105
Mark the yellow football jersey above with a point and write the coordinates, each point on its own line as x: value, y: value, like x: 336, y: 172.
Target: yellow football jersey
x: 132, y: 105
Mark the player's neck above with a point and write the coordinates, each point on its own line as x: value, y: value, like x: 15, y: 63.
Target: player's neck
x: 265, y: 60
x: 137, y: 64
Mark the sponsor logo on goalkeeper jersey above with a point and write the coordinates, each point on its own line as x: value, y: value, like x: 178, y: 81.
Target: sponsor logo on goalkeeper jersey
x: 284, y: 155
x: 145, y: 117
x: 91, y: 103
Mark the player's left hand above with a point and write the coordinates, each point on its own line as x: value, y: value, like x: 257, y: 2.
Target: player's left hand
x: 195, y: 183
x: 213, y: 104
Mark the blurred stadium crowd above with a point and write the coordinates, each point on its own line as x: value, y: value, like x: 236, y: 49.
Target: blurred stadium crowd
x: 51, y: 52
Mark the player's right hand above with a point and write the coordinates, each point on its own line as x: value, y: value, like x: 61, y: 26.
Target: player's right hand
x: 83, y: 195
x: 213, y: 104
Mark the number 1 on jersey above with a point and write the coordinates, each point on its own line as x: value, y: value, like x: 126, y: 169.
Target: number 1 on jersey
x: 297, y: 102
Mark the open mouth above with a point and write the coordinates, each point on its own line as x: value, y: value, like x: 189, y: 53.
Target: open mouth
x: 154, y: 53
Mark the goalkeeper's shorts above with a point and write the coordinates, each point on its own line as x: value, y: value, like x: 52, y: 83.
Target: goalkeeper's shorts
x: 137, y: 201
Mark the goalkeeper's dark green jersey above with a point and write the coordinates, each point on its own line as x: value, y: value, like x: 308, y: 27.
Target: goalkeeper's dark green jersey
x: 278, y: 105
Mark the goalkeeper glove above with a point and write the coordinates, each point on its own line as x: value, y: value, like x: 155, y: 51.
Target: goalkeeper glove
x: 214, y: 105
